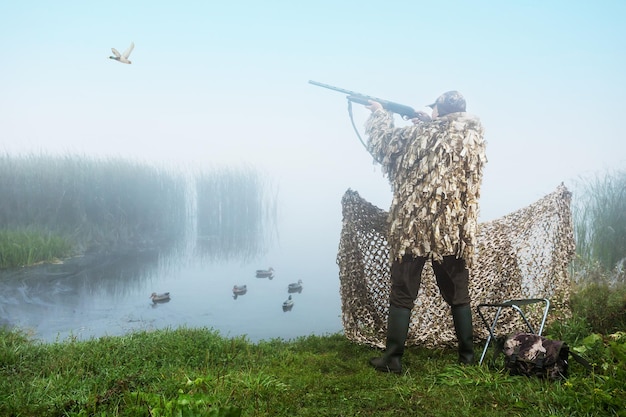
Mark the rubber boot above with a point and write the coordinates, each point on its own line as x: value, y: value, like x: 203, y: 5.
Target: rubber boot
x: 462, y: 317
x: 397, y: 330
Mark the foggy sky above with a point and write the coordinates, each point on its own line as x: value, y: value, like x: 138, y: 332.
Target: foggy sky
x: 218, y: 84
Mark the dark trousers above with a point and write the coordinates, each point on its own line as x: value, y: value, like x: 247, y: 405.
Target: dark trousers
x: 406, y: 276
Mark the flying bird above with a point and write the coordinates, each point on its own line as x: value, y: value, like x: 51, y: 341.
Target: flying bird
x: 123, y: 58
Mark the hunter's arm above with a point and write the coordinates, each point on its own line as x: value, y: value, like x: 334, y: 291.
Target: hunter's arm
x: 386, y: 142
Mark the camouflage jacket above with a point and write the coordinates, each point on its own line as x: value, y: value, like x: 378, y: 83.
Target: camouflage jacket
x: 435, y: 169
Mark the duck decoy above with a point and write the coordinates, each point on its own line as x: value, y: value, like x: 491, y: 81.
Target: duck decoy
x: 265, y: 273
x: 123, y: 58
x: 295, y: 286
x: 288, y: 303
x: 240, y: 289
x: 160, y: 298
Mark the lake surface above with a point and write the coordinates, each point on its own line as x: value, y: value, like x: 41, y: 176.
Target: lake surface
x: 99, y: 295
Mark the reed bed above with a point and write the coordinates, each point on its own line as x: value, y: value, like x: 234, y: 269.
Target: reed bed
x: 599, y: 213
x: 95, y: 201
x: 116, y: 203
x: 236, y: 212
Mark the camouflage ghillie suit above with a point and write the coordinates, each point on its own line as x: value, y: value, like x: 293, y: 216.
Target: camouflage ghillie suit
x: 435, y: 169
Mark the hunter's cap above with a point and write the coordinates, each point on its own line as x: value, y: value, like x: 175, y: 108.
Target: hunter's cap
x: 449, y: 102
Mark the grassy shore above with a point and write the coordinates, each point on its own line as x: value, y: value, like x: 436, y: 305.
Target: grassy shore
x: 28, y: 247
x: 197, y: 372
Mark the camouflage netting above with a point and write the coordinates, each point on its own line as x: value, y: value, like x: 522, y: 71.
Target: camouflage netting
x: 522, y: 255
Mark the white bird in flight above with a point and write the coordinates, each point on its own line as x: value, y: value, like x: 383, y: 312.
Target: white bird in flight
x: 123, y: 58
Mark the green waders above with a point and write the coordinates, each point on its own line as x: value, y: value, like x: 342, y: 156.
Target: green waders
x: 462, y: 317
x: 397, y: 330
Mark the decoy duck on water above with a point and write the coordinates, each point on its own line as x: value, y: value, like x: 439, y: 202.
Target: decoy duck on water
x: 288, y: 302
x: 265, y: 273
x: 240, y: 289
x: 160, y: 298
x: 123, y: 58
x: 295, y: 286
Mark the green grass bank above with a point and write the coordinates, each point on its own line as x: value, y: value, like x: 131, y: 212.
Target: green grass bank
x: 196, y: 372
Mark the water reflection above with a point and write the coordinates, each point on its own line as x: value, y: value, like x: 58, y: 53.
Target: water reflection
x: 108, y: 294
x: 109, y: 275
x: 156, y: 304
x: 56, y: 296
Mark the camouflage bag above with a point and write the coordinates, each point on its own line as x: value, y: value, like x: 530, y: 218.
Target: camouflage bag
x: 532, y: 355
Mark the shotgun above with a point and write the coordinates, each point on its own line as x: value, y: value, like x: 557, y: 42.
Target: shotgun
x: 406, y: 112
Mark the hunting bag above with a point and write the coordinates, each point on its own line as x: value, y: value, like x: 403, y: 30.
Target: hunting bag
x: 532, y: 355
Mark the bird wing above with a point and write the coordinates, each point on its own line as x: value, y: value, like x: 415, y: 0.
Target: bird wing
x: 129, y: 50
x: 116, y: 53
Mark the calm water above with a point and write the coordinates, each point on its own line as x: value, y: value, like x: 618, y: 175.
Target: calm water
x: 109, y: 295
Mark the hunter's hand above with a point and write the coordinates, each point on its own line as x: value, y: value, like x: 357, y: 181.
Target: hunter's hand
x: 374, y: 105
x: 420, y: 117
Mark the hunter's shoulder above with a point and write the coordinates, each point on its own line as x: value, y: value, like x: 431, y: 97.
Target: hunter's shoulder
x: 461, y: 117
x: 460, y: 121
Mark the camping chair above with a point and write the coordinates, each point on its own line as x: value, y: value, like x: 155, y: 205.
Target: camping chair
x: 516, y: 306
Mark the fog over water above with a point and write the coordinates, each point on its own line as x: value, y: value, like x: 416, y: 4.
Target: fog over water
x: 102, y: 294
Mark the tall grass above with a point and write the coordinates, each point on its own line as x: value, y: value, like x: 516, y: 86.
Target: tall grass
x: 124, y: 204
x: 598, y: 271
x: 95, y: 201
x: 599, y: 213
x: 236, y: 211
x: 28, y: 246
